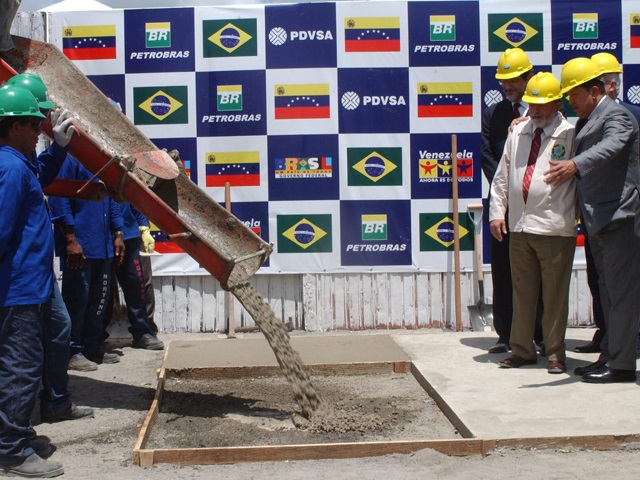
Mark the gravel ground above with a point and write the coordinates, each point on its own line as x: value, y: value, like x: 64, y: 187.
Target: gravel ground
x: 121, y: 394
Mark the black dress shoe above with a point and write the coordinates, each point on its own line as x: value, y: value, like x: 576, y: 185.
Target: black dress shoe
x: 590, y: 347
x: 500, y: 348
x: 592, y: 367
x: 609, y: 375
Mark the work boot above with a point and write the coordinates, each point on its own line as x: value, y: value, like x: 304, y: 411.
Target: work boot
x: 42, y: 446
x: 148, y: 342
x: 81, y: 363
x: 72, y: 413
x: 34, y: 467
x: 101, y: 357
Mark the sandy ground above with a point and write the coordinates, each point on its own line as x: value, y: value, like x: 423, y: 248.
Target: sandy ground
x: 101, y: 448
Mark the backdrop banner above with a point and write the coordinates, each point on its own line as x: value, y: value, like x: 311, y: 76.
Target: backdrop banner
x: 332, y: 121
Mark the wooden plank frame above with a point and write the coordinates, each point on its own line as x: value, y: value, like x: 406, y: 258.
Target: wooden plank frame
x: 456, y: 447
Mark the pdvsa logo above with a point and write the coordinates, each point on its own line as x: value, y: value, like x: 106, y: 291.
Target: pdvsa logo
x: 351, y: 100
x: 279, y: 36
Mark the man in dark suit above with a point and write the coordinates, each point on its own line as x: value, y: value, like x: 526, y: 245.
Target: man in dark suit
x: 606, y: 161
x: 611, y: 70
x: 514, y: 71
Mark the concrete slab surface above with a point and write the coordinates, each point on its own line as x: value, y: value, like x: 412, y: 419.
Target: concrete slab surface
x: 527, y: 402
x: 491, y: 402
x: 255, y: 351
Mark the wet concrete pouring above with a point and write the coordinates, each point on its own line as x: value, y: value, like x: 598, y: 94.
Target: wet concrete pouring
x: 224, y: 412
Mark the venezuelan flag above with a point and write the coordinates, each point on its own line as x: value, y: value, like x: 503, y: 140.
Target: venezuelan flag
x: 240, y: 169
x: 372, y: 34
x: 445, y: 99
x: 89, y: 42
x: 634, y: 27
x: 302, y: 101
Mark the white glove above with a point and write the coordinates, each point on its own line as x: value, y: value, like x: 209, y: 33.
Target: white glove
x: 62, y: 128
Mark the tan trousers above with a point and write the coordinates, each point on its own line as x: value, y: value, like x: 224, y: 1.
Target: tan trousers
x: 540, y: 261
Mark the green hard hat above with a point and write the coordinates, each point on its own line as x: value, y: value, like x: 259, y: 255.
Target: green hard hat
x: 17, y: 101
x: 35, y: 85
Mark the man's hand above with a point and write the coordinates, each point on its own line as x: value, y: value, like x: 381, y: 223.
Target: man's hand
x: 118, y: 249
x: 560, y: 172
x: 75, y: 255
x: 498, y: 229
x: 148, y: 242
x: 62, y: 128
x: 516, y: 121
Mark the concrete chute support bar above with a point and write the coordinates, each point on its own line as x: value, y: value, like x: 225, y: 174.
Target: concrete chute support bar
x: 135, y: 170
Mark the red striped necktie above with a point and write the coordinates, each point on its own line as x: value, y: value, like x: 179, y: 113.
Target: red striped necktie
x: 531, y: 163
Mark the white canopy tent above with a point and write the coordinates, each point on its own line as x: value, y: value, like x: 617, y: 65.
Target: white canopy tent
x: 75, y: 6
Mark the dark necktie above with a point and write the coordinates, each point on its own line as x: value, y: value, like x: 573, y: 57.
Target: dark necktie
x: 531, y: 163
x: 516, y: 110
x: 579, y: 124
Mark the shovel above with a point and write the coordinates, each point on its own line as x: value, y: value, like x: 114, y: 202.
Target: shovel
x: 481, y: 313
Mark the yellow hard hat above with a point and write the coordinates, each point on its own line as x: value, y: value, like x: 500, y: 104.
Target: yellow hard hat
x: 542, y: 88
x: 512, y: 63
x: 607, y: 62
x: 578, y: 71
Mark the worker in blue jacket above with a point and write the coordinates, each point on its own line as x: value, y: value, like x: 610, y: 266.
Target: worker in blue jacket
x: 89, y: 236
x: 132, y: 281
x: 55, y: 398
x: 26, y: 282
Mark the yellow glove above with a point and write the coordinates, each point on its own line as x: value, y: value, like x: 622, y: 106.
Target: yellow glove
x: 147, y: 240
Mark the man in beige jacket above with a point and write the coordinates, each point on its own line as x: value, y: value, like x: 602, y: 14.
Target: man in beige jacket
x: 542, y: 224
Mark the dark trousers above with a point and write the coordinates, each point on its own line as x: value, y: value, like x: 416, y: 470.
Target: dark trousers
x: 132, y: 281
x: 86, y: 292
x: 503, y: 293
x: 615, y: 251
x: 149, y: 294
x: 21, y: 360
x: 54, y: 396
x: 592, y: 280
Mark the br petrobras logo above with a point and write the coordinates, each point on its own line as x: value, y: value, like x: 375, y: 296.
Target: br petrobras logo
x: 374, y: 227
x: 229, y: 38
x: 229, y: 98
x: 158, y: 35
x: 156, y: 106
x: 304, y: 233
x: 522, y: 30
x: 278, y: 35
x: 585, y: 26
x: 442, y: 28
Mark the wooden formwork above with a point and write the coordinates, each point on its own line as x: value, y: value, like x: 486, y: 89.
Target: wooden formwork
x: 145, y: 457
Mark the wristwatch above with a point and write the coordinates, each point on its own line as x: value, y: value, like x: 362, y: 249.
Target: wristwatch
x: 118, y: 233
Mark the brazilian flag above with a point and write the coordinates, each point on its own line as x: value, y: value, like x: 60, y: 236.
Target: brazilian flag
x: 304, y: 233
x: 436, y: 232
x: 374, y: 166
x: 522, y: 30
x: 230, y: 38
x: 160, y: 105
